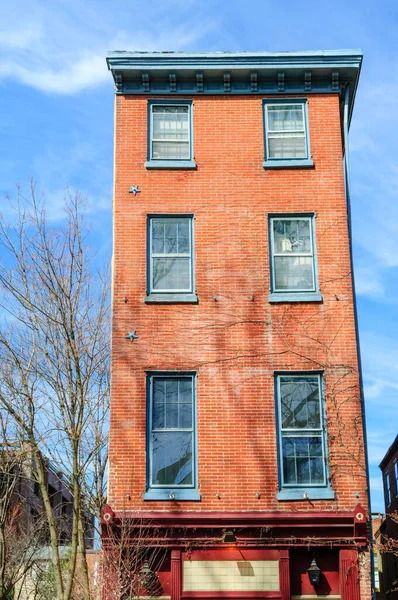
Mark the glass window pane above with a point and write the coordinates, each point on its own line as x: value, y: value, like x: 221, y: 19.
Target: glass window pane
x: 172, y: 458
x: 293, y: 273
x: 183, y: 237
x: 170, y: 150
x: 300, y: 403
x: 291, y: 236
x: 171, y: 391
x: 170, y: 123
x: 289, y: 471
x: 159, y: 390
x: 172, y: 416
x: 158, y: 416
x: 170, y: 237
x: 185, y: 416
x: 303, y: 460
x: 286, y: 117
x: 185, y: 390
x: 170, y: 133
x: 157, y: 236
x: 303, y: 470
x: 287, y: 146
x: 171, y: 274
x: 316, y: 467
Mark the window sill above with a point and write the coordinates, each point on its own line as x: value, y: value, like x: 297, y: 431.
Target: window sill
x: 172, y: 494
x: 289, y: 163
x: 295, y: 297
x: 171, y: 299
x: 306, y: 494
x: 170, y: 164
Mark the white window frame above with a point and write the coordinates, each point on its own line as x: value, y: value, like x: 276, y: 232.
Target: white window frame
x: 273, y: 133
x: 154, y: 255
x: 286, y: 161
x: 312, y: 254
x: 151, y: 139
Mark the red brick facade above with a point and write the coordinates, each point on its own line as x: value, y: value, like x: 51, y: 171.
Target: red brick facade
x: 234, y: 339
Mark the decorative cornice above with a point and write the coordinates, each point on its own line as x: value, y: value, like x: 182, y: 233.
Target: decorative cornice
x: 215, y: 73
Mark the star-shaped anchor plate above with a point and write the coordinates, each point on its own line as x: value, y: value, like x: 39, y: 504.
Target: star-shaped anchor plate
x: 134, y: 190
x: 131, y: 335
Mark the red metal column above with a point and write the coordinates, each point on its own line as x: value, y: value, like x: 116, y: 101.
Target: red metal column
x: 349, y: 580
x: 284, y: 574
x: 175, y: 575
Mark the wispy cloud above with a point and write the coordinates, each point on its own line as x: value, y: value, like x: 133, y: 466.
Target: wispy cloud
x: 368, y: 282
x: 375, y: 172
x: 55, y: 51
x: 380, y: 362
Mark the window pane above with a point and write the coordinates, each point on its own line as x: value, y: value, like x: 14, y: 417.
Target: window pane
x: 287, y: 146
x: 291, y: 236
x: 293, y: 273
x: 172, y: 458
x: 170, y: 123
x: 286, y: 117
x: 172, y: 403
x: 171, y: 274
x: 172, y: 416
x: 159, y: 390
x: 300, y: 404
x: 302, y: 460
x: 185, y: 416
x: 170, y: 237
x: 158, y: 236
x: 158, y: 417
x: 170, y: 150
x: 316, y: 468
x: 183, y: 237
x: 171, y: 391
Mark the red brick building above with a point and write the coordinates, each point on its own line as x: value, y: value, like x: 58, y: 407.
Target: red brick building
x: 237, y: 436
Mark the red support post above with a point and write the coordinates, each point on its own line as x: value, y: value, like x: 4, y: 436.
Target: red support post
x: 284, y: 574
x: 176, y: 575
x: 349, y: 579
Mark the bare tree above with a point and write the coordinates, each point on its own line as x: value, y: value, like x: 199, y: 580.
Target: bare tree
x: 21, y: 536
x: 54, y: 352
x: 134, y: 551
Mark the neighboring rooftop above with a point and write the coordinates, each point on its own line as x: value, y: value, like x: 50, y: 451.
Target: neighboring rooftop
x: 389, y: 454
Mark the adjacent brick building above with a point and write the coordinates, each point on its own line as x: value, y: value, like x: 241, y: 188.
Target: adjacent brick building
x: 386, y: 537
x: 237, y: 437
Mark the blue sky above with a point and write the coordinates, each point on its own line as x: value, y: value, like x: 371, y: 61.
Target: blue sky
x: 56, y: 107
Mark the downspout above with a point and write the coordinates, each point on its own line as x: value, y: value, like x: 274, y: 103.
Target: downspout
x: 362, y: 397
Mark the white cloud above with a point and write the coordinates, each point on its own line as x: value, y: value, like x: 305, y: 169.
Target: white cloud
x: 61, y: 48
x: 20, y: 38
x: 368, y: 283
x: 375, y: 176
x: 380, y: 366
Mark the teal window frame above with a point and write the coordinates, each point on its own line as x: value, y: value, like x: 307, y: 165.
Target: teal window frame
x: 310, y: 491
x: 286, y: 162
x: 293, y: 295
x: 155, y: 296
x: 154, y: 163
x: 396, y: 477
x: 162, y: 491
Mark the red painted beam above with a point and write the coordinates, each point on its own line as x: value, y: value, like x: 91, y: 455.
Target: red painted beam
x: 256, y: 519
